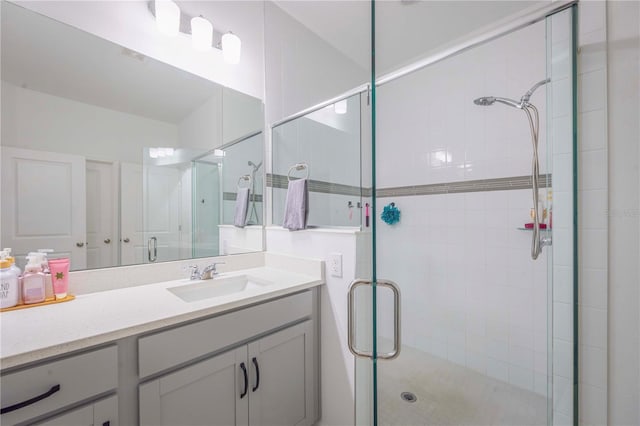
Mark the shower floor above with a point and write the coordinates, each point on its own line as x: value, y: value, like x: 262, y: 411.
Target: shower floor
x: 449, y: 394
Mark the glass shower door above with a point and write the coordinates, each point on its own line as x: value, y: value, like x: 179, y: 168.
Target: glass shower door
x: 485, y: 333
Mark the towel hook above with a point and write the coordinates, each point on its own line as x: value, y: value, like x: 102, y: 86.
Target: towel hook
x: 298, y: 166
x: 244, y: 177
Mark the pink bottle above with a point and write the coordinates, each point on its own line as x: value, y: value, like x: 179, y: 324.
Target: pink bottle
x: 33, y: 282
x: 59, y: 269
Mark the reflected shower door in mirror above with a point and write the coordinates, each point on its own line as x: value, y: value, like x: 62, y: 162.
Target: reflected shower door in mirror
x: 99, y: 149
x: 328, y: 141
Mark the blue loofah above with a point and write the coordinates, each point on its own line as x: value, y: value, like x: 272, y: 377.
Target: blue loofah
x: 390, y: 214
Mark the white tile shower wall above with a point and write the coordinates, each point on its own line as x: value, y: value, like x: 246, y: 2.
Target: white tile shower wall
x: 623, y: 80
x: 471, y: 294
x: 431, y: 112
x: 337, y: 364
x: 470, y: 291
x: 592, y: 212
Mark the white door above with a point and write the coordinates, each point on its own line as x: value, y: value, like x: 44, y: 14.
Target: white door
x: 213, y: 392
x: 162, y: 200
x: 131, y: 239
x: 43, y: 203
x: 282, y: 378
x: 101, y: 215
x: 101, y: 413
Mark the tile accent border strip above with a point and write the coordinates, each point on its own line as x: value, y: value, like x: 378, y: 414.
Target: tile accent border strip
x: 281, y: 181
x: 231, y: 196
x: 480, y: 185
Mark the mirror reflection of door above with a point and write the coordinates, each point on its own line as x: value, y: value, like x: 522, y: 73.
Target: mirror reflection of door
x: 131, y: 228
x: 101, y: 225
x: 162, y: 195
x: 43, y: 204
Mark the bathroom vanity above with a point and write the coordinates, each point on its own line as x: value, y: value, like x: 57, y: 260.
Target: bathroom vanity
x: 240, y: 349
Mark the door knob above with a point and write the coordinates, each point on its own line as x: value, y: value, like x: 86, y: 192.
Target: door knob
x: 79, y: 244
x: 126, y: 240
x: 107, y: 241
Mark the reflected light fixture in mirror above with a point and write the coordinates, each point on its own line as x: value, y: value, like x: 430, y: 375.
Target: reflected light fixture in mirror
x: 167, y: 17
x: 340, y: 107
x: 201, y: 34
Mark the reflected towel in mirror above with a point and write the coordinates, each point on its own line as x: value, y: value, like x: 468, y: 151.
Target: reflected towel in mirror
x: 242, y: 207
x: 296, y: 206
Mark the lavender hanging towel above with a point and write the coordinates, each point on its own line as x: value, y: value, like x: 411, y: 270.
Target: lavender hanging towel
x: 296, y: 206
x: 242, y: 207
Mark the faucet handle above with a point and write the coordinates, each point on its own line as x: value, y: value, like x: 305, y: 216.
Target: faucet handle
x: 193, y: 269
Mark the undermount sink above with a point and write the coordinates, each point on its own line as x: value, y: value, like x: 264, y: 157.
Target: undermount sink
x: 217, y: 287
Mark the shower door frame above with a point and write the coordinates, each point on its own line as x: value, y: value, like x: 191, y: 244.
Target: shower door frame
x: 519, y: 23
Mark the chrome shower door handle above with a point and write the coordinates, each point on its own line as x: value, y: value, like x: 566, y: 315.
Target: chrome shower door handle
x: 152, y: 244
x: 396, y: 319
x: 351, y: 332
x: 351, y: 323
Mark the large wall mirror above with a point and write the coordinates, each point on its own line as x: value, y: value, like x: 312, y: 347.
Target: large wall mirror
x: 112, y: 158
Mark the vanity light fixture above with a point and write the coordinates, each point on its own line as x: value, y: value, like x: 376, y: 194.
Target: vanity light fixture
x: 201, y: 34
x: 231, y: 46
x: 340, y: 107
x: 170, y: 22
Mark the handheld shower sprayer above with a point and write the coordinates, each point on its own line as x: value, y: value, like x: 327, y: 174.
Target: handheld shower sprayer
x: 534, y: 124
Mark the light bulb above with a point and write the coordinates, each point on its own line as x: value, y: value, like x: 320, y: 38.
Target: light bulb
x: 201, y: 33
x: 340, y: 107
x: 167, y: 17
x: 231, y: 46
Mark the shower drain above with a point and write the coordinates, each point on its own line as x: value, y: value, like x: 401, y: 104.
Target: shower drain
x: 408, y: 397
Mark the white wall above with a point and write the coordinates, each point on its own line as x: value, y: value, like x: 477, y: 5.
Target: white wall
x: 301, y: 68
x: 337, y: 364
x: 202, y: 128
x: 130, y: 24
x: 71, y: 127
x: 623, y: 79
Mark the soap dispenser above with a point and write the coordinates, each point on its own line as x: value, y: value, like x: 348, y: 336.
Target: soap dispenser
x: 33, y: 281
x: 9, y: 287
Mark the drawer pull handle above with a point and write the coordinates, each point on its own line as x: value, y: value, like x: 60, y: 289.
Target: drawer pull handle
x: 246, y: 380
x: 255, y: 364
x: 33, y: 400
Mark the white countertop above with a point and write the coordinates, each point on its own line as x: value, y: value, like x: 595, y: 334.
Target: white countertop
x: 33, y: 334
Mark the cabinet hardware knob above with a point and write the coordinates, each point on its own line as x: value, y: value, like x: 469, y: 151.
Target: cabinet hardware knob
x: 107, y: 240
x: 255, y: 364
x: 246, y: 380
x: 79, y: 244
x: 126, y: 240
x: 33, y: 400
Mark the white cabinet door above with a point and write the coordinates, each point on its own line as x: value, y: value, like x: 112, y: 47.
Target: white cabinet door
x: 209, y: 393
x: 101, y: 215
x: 101, y: 413
x: 43, y: 203
x: 283, y: 378
x: 132, y: 244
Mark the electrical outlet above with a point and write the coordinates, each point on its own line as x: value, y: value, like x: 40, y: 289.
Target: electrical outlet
x: 335, y: 264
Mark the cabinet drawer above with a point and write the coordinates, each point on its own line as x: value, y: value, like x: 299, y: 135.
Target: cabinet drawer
x: 60, y: 383
x: 166, y: 349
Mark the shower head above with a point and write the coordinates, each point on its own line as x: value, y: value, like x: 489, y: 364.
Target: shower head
x: 254, y: 165
x: 490, y: 100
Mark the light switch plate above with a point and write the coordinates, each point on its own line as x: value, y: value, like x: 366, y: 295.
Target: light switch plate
x: 335, y: 264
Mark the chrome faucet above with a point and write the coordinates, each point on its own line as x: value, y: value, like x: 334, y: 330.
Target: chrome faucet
x: 207, y: 273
